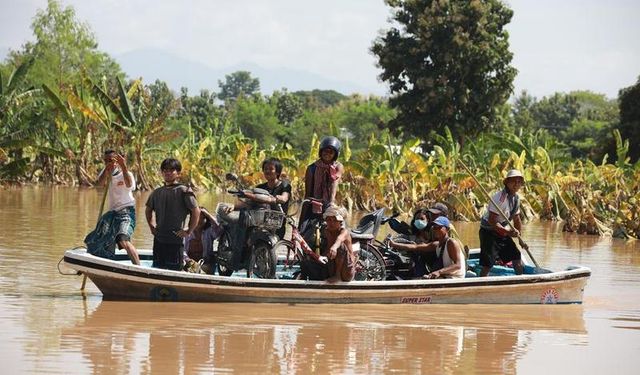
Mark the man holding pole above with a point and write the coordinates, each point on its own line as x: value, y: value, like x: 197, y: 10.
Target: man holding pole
x: 496, y: 233
x: 116, y: 226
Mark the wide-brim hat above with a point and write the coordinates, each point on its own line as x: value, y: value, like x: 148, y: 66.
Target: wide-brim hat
x: 335, y: 212
x: 514, y: 173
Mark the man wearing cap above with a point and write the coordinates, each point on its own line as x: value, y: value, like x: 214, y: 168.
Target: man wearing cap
x: 450, y: 262
x: 449, y: 258
x: 337, y: 246
x: 495, y: 232
x: 441, y: 209
x: 422, y: 233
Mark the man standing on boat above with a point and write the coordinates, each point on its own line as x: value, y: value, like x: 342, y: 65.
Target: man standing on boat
x: 117, y: 225
x: 496, y: 235
x: 171, y: 203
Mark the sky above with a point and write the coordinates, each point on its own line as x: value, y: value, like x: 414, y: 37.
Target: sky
x: 558, y: 46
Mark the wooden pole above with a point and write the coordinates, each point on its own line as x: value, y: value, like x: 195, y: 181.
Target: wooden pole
x: 520, y: 240
x: 104, y: 199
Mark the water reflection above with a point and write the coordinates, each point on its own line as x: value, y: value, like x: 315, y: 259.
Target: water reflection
x: 185, y: 338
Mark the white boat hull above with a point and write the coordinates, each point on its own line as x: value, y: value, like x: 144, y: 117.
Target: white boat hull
x: 117, y: 280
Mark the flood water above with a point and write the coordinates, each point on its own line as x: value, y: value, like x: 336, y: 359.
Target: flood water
x: 48, y: 326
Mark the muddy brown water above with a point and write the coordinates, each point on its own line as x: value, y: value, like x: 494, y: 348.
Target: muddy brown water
x: 49, y: 327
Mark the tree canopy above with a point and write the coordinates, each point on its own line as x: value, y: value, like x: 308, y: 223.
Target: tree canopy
x: 447, y: 64
x: 629, y: 101
x: 238, y: 84
x: 64, y: 49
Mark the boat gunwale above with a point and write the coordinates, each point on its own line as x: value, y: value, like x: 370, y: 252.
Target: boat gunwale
x: 79, y: 257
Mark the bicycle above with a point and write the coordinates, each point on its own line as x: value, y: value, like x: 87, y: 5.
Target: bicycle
x: 370, y: 265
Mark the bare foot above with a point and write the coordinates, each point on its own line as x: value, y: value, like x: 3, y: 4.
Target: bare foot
x: 333, y: 279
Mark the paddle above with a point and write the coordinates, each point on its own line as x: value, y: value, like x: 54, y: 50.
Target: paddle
x: 104, y: 199
x: 486, y: 193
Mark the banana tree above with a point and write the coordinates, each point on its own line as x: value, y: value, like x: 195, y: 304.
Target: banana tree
x: 14, y: 101
x: 141, y: 125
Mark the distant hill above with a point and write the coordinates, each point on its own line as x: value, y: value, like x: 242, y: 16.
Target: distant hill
x: 179, y: 72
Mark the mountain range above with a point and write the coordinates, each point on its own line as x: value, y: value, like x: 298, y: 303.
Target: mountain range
x: 179, y: 72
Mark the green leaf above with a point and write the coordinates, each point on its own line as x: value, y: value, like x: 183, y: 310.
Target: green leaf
x: 125, y: 104
x: 58, y: 103
x: 18, y: 74
x: 100, y: 94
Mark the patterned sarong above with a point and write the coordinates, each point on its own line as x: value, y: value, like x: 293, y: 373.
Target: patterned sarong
x: 101, y: 241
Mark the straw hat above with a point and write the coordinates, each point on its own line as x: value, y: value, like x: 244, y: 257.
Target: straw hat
x: 514, y: 173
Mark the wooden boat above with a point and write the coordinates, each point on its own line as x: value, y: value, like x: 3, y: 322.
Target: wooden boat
x: 120, y: 280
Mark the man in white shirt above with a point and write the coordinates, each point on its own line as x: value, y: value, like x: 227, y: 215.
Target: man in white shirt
x: 496, y: 235
x: 116, y: 226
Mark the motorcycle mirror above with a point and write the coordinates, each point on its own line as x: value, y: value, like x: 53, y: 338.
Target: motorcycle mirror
x: 231, y: 177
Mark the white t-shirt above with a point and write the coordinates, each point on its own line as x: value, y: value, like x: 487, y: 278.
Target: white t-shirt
x: 507, y: 205
x: 121, y: 196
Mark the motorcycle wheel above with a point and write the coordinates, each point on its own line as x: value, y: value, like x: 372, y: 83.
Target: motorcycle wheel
x: 370, y: 266
x: 263, y: 261
x: 224, y: 255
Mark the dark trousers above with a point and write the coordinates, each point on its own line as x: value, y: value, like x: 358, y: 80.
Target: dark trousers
x: 167, y: 255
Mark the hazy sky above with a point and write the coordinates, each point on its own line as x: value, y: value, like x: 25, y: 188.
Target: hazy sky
x: 560, y: 45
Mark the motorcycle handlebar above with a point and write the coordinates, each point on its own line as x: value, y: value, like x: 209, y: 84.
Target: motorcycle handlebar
x: 239, y: 193
x: 385, y: 219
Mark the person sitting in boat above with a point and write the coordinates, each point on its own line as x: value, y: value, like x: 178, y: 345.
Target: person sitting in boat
x: 171, y: 203
x: 116, y: 226
x: 496, y: 235
x: 199, y: 244
x: 337, y: 246
x: 450, y: 260
x: 279, y: 189
x: 321, y: 181
x: 421, y: 233
x: 450, y: 263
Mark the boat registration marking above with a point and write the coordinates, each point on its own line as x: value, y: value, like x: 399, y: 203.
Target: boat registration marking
x: 416, y: 300
x: 550, y: 296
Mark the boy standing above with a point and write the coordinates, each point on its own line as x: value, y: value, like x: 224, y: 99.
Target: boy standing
x: 116, y: 226
x: 171, y: 204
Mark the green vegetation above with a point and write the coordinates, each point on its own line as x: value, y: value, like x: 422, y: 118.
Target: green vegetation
x: 63, y: 102
x: 447, y: 64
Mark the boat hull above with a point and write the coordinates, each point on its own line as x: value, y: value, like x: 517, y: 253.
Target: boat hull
x: 120, y: 281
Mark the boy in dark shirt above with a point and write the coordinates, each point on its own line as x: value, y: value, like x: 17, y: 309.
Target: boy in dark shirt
x: 171, y: 204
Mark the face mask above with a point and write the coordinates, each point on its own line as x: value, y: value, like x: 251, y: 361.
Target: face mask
x: 420, y: 224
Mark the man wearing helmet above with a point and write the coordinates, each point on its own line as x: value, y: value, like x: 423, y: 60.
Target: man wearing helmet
x: 495, y: 232
x: 322, y: 177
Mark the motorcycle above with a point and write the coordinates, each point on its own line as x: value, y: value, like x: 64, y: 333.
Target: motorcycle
x: 400, y: 265
x: 249, y: 235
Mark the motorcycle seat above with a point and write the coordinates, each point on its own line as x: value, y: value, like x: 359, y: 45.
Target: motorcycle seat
x: 361, y: 236
x: 366, y: 228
